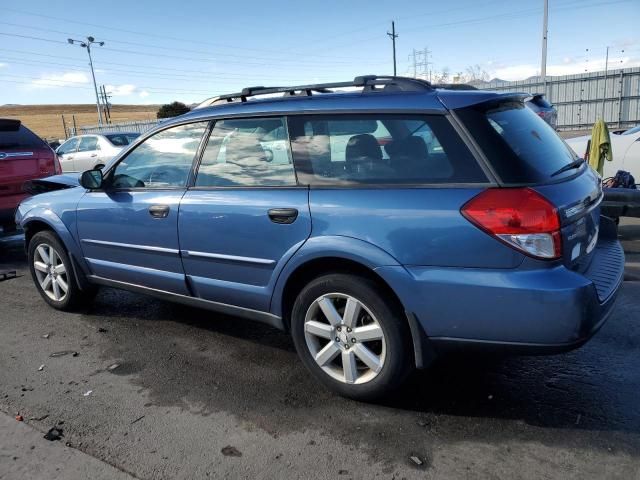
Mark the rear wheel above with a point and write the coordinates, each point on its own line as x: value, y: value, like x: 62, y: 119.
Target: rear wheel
x: 352, y: 338
x: 53, y: 273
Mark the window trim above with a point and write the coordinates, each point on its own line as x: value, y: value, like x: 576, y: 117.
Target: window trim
x: 193, y: 187
x: 142, y: 138
x: 491, y: 179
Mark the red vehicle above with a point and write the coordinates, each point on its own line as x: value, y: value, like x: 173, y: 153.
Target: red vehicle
x: 23, y: 156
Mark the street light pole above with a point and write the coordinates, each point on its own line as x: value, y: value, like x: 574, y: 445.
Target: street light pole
x: 393, y: 35
x: 90, y: 41
x: 545, y: 32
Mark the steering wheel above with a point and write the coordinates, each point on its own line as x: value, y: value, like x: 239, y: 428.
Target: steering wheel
x: 169, y: 174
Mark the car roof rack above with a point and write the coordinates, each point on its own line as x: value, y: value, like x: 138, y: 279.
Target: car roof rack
x: 369, y: 83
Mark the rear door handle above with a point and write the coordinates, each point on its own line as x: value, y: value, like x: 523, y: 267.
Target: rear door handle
x: 94, y: 155
x: 159, y: 211
x: 283, y: 215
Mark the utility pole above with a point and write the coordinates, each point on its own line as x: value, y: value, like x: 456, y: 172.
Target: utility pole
x: 393, y: 36
x: 545, y: 31
x: 105, y: 102
x: 87, y: 44
x: 604, y: 88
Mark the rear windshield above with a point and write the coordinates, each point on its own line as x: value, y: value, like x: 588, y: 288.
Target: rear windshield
x: 521, y: 147
x: 20, y: 138
x: 121, y: 139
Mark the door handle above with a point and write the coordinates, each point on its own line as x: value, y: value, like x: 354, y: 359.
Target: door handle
x: 159, y: 211
x: 94, y: 155
x: 283, y: 215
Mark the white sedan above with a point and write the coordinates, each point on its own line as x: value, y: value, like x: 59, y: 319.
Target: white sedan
x: 86, y: 152
x: 625, y: 147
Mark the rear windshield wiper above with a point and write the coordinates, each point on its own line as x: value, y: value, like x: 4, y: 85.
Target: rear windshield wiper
x: 569, y: 166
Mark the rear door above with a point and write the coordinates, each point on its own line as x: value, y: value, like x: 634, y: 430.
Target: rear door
x: 87, y: 155
x: 245, y: 216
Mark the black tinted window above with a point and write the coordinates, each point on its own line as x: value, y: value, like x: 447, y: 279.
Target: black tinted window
x: 247, y: 152
x: 521, y: 146
x: 121, y: 139
x: 20, y: 138
x: 380, y: 149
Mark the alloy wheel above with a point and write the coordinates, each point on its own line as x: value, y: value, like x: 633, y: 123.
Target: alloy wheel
x: 344, y: 338
x: 51, y: 272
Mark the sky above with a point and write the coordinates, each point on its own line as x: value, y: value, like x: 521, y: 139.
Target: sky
x: 159, y: 51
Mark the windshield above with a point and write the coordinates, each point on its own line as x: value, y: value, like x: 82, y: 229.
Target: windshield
x: 631, y: 131
x: 521, y: 147
x: 121, y: 139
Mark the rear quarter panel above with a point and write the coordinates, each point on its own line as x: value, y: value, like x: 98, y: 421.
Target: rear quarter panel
x: 415, y: 226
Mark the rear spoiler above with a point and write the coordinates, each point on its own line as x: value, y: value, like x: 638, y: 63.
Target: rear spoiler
x: 9, y: 125
x: 454, y: 99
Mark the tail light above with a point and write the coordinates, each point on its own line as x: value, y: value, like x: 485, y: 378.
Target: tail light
x: 519, y: 217
x: 57, y: 168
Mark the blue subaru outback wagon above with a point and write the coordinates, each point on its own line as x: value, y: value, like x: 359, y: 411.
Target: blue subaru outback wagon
x: 380, y: 221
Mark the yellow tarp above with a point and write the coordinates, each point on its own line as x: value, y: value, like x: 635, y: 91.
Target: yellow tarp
x: 600, y: 148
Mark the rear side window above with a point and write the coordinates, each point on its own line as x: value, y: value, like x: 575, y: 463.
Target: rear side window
x: 20, y: 137
x: 380, y: 149
x: 247, y: 152
x: 521, y: 147
x: 88, y: 144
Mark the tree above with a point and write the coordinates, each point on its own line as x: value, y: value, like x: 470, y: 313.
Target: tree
x: 473, y: 73
x: 172, y: 110
x: 442, y: 77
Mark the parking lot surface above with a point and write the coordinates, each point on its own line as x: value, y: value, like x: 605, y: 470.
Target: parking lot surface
x: 164, y: 391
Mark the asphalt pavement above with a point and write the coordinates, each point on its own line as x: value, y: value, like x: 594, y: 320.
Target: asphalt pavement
x: 148, y: 389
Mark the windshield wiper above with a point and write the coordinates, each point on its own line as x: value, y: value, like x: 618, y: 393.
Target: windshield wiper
x: 569, y: 166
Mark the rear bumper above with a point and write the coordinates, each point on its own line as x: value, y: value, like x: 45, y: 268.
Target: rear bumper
x: 534, y: 311
x: 8, y: 205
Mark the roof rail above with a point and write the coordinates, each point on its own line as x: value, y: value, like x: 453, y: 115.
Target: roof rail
x: 367, y: 82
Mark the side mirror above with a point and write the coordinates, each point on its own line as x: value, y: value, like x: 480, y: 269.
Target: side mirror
x: 91, y: 179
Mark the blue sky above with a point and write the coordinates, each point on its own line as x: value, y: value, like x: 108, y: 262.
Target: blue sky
x: 159, y: 51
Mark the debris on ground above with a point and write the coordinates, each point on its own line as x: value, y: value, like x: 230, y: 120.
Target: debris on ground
x: 63, y: 353
x: 137, y: 419
x: 41, y: 367
x: 111, y: 368
x: 87, y: 393
x: 20, y: 418
x: 578, y: 419
x: 7, y: 274
x: 343, y: 472
x: 490, y: 397
x: 230, y: 451
x: 416, y: 460
x: 54, y: 434
x: 46, y: 335
x: 102, y: 330
x: 39, y: 419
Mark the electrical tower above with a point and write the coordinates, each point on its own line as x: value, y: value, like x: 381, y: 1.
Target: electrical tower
x: 419, y: 60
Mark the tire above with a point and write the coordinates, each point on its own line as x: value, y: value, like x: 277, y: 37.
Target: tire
x: 364, y: 322
x: 49, y: 258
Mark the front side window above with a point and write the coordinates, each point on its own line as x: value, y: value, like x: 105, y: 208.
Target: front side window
x: 162, y: 161
x: 380, y: 149
x: 247, y: 152
x: 88, y: 144
x: 69, y: 146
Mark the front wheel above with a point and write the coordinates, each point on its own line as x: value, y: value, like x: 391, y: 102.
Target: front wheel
x: 351, y: 336
x: 53, y: 274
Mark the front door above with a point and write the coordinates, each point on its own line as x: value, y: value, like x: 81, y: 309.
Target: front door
x: 245, y: 216
x: 66, y: 153
x: 129, y: 229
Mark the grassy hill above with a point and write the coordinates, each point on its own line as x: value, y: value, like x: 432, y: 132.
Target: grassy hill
x: 46, y: 120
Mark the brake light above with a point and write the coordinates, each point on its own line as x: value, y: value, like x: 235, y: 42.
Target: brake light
x: 520, y: 217
x: 57, y: 168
